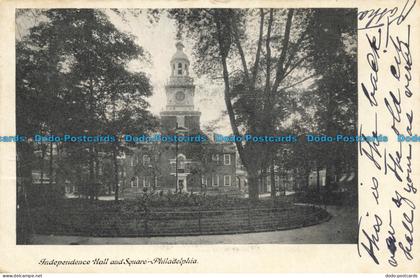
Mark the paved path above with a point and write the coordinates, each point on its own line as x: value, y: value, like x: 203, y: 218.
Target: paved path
x: 341, y: 228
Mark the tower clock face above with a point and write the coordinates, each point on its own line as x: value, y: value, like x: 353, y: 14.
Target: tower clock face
x: 180, y: 96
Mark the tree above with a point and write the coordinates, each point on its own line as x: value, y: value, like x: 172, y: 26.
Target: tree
x: 75, y: 61
x: 254, y: 81
x: 333, y: 35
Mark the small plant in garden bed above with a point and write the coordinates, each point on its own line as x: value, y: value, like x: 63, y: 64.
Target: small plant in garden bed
x: 169, y: 202
x: 163, y: 214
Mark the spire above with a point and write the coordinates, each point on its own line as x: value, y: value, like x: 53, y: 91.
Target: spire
x: 179, y: 54
x: 179, y: 46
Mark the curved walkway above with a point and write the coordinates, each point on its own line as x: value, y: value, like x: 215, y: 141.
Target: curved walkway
x: 340, y: 229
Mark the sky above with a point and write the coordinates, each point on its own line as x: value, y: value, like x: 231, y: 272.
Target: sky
x: 159, y: 39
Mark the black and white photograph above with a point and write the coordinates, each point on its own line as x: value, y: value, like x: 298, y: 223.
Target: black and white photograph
x: 186, y: 126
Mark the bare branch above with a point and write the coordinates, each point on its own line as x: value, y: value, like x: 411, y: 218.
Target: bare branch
x: 299, y: 82
x: 295, y: 49
x: 295, y: 66
x: 268, y: 55
x: 240, y: 50
x: 257, y: 55
x: 280, y: 63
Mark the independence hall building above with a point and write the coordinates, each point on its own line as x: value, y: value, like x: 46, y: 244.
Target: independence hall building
x: 180, y: 167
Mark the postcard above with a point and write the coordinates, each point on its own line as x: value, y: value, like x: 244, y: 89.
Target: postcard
x: 209, y: 136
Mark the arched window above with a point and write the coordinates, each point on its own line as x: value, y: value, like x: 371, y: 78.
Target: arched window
x: 181, y: 161
x: 146, y: 160
x: 179, y: 68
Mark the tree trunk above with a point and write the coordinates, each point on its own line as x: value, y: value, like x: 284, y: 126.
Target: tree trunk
x: 318, y: 184
x: 264, y: 180
x: 285, y: 174
x: 96, y: 185
x: 25, y: 156
x: 253, y: 190
x: 273, y: 180
x: 328, y: 180
x: 91, y: 174
x: 59, y: 176
x: 116, y: 177
x: 51, y: 172
x: 42, y: 164
x: 306, y: 173
x: 81, y: 188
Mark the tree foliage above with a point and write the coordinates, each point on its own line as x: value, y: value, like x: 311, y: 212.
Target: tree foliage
x: 72, y: 78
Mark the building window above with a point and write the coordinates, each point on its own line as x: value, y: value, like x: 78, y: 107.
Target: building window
x: 132, y: 182
x: 132, y: 161
x: 227, y: 159
x: 146, y: 160
x: 215, y: 180
x: 146, y: 181
x: 227, y: 181
x: 137, y: 181
x: 203, y: 180
x: 215, y: 157
x: 121, y: 173
x: 181, y: 161
x: 180, y: 120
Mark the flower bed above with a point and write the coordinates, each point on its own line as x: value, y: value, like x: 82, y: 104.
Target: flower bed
x: 173, y: 215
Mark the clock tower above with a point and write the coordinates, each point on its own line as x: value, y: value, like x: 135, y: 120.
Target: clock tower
x: 179, y: 90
